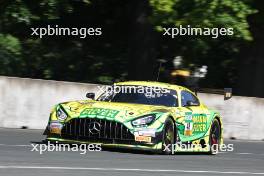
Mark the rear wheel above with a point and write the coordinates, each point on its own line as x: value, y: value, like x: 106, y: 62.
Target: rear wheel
x: 168, y: 141
x: 215, y: 137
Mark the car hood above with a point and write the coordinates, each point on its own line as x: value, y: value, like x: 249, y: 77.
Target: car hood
x: 110, y: 110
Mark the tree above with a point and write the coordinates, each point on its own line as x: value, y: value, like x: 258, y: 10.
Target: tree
x: 221, y: 54
x: 251, y: 81
x: 131, y: 43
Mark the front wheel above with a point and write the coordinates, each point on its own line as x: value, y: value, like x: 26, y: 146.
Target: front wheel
x: 168, y: 139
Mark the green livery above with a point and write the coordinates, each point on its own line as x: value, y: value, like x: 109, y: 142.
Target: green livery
x: 163, y: 120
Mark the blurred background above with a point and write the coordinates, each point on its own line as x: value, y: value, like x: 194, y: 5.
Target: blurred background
x: 132, y: 46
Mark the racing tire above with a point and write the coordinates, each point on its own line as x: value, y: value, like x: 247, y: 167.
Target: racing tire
x: 215, y: 137
x: 168, y: 137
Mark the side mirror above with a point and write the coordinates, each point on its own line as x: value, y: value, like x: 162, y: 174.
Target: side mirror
x: 90, y: 95
x: 190, y: 103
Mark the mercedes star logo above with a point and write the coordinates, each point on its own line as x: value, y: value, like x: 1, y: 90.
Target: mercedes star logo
x: 94, y: 127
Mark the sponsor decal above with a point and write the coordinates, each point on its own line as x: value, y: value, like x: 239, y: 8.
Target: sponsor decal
x: 188, y: 124
x: 55, y: 130
x: 195, y: 123
x: 188, y: 129
x: 144, y: 135
x: 98, y: 112
x: 188, y: 116
x: 146, y: 132
x: 143, y: 138
x: 200, y: 123
x: 55, y: 127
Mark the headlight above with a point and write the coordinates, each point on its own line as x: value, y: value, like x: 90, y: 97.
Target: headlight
x: 61, y: 114
x: 144, y: 120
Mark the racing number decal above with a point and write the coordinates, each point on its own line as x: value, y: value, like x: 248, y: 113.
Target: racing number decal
x: 188, y: 124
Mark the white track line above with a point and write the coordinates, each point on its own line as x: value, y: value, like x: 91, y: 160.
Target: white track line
x: 9, y: 145
x: 244, y: 153
x: 128, y: 169
x: 23, y: 145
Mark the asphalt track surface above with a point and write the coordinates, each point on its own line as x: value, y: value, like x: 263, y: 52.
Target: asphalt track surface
x: 17, y: 159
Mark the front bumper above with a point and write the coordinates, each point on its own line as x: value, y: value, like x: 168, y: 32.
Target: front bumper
x: 134, y: 146
x: 111, y: 133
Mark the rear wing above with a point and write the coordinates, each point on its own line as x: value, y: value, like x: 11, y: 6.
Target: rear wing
x: 227, y: 92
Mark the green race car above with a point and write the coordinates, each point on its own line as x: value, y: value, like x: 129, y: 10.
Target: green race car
x: 140, y: 115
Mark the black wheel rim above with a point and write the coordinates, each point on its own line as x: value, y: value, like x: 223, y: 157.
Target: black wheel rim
x: 168, y: 138
x: 169, y: 135
x: 215, y: 135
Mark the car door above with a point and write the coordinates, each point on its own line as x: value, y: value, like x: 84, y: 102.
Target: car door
x: 195, y: 119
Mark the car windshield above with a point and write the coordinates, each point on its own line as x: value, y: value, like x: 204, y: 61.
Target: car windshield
x: 141, y: 95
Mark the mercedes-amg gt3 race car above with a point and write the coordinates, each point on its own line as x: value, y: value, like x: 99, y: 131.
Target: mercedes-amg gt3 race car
x: 140, y: 115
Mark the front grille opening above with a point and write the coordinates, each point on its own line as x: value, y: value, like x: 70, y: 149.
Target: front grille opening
x: 99, y: 130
